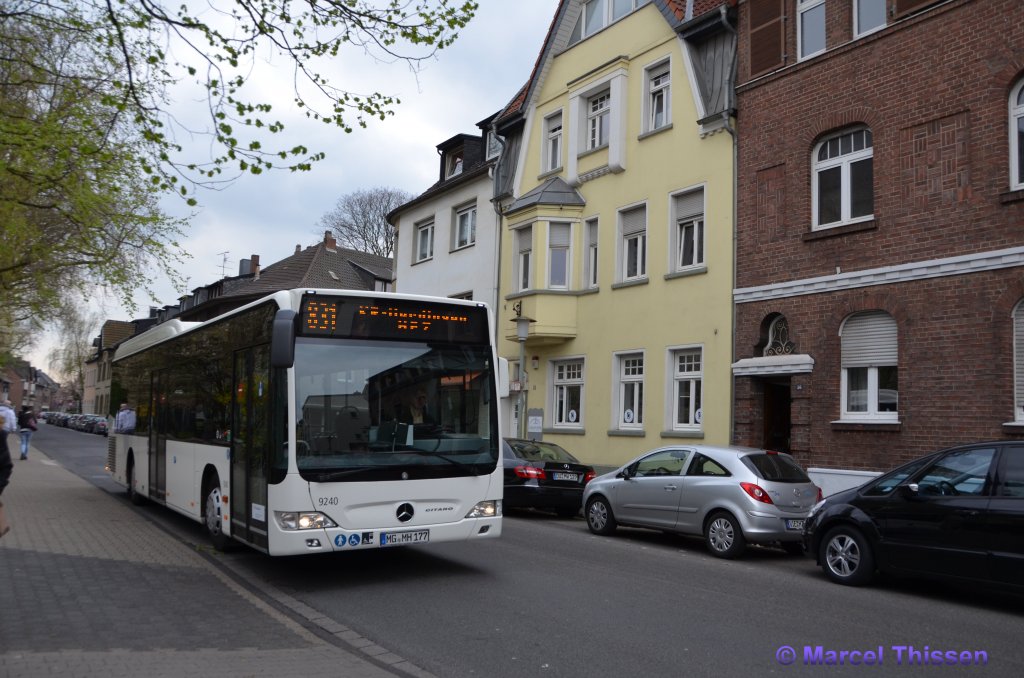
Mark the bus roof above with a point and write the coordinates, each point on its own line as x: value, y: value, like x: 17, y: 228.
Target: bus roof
x: 284, y: 298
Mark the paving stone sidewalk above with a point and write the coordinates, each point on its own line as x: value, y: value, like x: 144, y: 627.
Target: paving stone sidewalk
x: 91, y: 588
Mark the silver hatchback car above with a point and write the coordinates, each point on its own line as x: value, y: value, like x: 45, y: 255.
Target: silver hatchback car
x: 730, y: 495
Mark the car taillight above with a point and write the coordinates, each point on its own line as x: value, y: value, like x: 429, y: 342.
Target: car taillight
x: 756, y: 493
x: 588, y: 477
x: 530, y: 472
x: 820, y: 496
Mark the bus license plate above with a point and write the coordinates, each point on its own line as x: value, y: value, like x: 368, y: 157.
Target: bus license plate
x: 565, y: 476
x: 398, y: 538
x: 794, y: 524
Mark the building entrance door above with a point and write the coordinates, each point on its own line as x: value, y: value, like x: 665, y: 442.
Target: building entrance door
x: 777, y: 407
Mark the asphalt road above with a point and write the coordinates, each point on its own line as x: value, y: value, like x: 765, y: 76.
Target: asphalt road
x: 550, y: 599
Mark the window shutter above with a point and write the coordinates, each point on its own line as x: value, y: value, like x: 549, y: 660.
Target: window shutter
x: 559, y: 236
x: 767, y: 39
x: 689, y: 204
x: 869, y: 340
x: 1018, y: 355
x: 634, y: 220
x: 524, y: 239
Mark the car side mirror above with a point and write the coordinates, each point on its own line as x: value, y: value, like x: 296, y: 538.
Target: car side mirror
x: 624, y: 474
x: 910, y: 490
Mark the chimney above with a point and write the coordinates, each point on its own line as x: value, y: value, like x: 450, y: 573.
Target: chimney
x: 255, y: 266
x: 298, y: 248
x: 244, y: 267
x: 329, y: 242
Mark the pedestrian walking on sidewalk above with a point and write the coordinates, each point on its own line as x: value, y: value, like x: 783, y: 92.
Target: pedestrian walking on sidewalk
x: 8, y: 424
x: 27, y: 426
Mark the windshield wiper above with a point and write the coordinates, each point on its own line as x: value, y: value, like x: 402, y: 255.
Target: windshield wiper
x: 328, y: 476
x: 454, y: 462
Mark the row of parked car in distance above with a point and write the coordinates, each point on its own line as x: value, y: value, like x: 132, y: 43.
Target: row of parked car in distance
x: 957, y: 513
x: 87, y: 423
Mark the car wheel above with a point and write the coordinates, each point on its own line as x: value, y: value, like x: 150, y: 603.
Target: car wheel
x: 133, y: 495
x: 600, y: 519
x: 215, y: 516
x: 845, y: 557
x: 724, y: 537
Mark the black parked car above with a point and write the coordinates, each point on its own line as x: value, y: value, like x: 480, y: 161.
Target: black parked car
x: 543, y: 475
x: 958, y: 513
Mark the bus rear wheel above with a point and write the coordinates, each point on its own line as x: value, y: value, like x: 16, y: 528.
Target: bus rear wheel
x: 215, y: 516
x: 133, y: 494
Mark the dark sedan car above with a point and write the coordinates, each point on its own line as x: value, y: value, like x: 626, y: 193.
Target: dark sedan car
x: 958, y: 513
x: 544, y: 476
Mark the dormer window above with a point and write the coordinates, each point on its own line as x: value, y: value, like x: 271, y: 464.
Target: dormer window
x: 492, y: 145
x: 454, y: 165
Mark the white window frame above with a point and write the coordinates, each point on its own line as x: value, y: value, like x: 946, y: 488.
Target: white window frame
x: 686, y: 371
x: 467, y: 213
x: 454, y: 163
x: 1017, y: 318
x: 871, y: 413
x: 553, y: 126
x: 492, y: 145
x: 641, y: 248
x: 858, y: 30
x: 604, y: 14
x: 592, y: 269
x: 1017, y: 136
x: 524, y: 259
x: 679, y: 224
x: 804, y: 7
x: 567, y: 374
x: 424, y: 231
x: 599, y: 113
x: 559, y: 251
x: 657, y: 84
x: 844, y: 161
x: 629, y: 379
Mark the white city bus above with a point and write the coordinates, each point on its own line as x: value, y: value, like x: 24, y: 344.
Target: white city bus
x: 313, y: 421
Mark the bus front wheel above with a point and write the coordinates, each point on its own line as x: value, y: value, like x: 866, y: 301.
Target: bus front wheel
x: 215, y: 516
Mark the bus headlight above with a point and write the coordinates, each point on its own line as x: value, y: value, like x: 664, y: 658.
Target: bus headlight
x: 313, y: 520
x: 486, y: 509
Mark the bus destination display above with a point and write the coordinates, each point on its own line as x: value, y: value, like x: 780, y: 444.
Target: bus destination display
x: 392, y: 319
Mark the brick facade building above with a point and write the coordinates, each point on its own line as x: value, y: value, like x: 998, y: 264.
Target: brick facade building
x: 880, y: 227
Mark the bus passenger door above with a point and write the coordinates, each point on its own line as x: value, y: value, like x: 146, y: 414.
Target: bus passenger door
x: 158, y: 437
x: 250, y: 445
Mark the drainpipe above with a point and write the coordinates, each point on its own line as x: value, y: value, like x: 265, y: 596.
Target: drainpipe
x: 722, y: 15
x: 495, y: 178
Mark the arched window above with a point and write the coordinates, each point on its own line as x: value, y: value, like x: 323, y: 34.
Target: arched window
x: 1017, y: 136
x: 843, y: 179
x: 870, y: 383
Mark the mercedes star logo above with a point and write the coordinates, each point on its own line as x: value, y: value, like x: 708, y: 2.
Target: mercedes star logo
x: 404, y: 513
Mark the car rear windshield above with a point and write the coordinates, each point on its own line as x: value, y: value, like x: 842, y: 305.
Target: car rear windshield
x: 779, y: 468
x: 539, y: 451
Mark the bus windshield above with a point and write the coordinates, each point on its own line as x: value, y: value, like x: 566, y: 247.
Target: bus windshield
x: 378, y: 410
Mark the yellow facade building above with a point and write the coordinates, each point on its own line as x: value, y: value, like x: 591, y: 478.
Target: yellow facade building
x: 617, y: 246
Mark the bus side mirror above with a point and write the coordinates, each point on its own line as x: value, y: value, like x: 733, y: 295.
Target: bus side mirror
x: 503, y: 388
x: 282, y: 339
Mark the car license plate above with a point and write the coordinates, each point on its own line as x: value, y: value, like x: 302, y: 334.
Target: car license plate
x: 794, y: 524
x: 565, y: 476
x: 398, y: 538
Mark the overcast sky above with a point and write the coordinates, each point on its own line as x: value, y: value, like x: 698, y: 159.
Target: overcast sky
x: 270, y: 214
